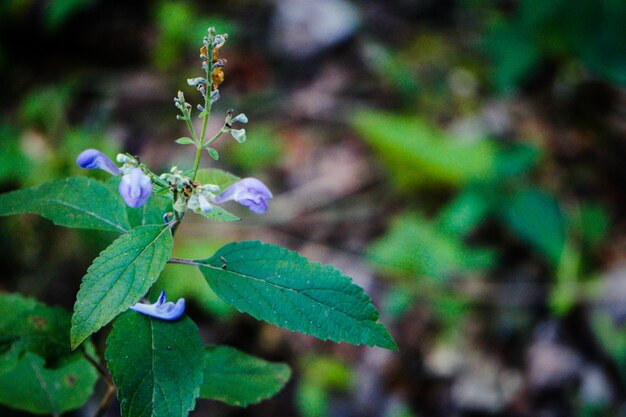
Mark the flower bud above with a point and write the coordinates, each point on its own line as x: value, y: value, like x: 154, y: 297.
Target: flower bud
x: 94, y: 159
x: 248, y: 192
x: 135, y: 187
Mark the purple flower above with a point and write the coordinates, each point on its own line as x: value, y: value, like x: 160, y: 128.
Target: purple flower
x: 135, y: 187
x: 248, y: 192
x: 94, y: 159
x: 161, y: 309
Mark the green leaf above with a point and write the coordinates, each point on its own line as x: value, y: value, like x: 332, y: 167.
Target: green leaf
x: 219, y: 214
x: 38, y: 373
x: 213, y: 152
x: 239, y: 379
x: 413, y: 245
x: 216, y: 176
x: 119, y: 277
x: 72, y: 202
x: 150, y: 213
x: 536, y: 218
x: 185, y: 141
x: 32, y: 387
x: 33, y: 326
x: 281, y: 287
x: 157, y: 365
x: 417, y: 153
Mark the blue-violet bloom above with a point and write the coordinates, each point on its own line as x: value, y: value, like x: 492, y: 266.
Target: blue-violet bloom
x: 248, y: 192
x: 161, y: 309
x: 94, y: 159
x: 135, y: 187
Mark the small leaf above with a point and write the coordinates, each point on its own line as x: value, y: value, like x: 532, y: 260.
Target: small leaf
x: 219, y: 214
x: 213, y: 152
x: 239, y: 379
x: 281, y: 287
x: 33, y: 387
x: 73, y: 202
x: 119, y: 277
x: 157, y: 365
x: 216, y: 176
x: 184, y: 141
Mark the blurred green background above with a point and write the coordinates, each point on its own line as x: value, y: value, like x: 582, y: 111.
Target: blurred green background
x: 462, y: 160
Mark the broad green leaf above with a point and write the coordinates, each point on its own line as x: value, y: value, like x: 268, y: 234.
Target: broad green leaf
x: 414, y: 246
x: 281, y: 287
x: 72, y: 202
x: 184, y: 141
x: 219, y: 214
x: 239, y: 379
x: 34, y: 327
x: 417, y: 153
x: 33, y: 387
x: 216, y: 176
x: 156, y: 365
x: 38, y: 373
x: 466, y: 211
x: 536, y: 218
x: 119, y: 277
x: 150, y: 213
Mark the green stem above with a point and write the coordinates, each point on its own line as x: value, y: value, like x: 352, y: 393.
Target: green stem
x: 207, y: 109
x: 196, y: 163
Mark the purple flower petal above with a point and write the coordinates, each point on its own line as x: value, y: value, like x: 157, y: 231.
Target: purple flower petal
x: 135, y: 188
x: 161, y: 309
x: 94, y: 159
x: 248, y: 192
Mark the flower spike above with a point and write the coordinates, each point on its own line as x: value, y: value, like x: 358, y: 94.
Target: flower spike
x: 161, y: 309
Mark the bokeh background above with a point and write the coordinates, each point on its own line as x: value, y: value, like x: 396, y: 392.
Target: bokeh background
x: 462, y: 160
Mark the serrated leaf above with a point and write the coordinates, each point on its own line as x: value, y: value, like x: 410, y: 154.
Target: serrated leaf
x: 184, y: 141
x: 239, y: 379
x: 219, y: 214
x: 38, y: 373
x: 216, y: 176
x: 72, y: 202
x: 32, y: 387
x: 119, y: 277
x: 214, y: 154
x: 157, y: 365
x: 281, y: 287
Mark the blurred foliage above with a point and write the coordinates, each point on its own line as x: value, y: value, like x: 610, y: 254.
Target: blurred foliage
x: 591, y: 31
x: 321, y: 376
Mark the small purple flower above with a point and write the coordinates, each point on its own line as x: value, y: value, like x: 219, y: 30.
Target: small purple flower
x: 94, y: 159
x: 248, y: 192
x: 161, y: 309
x: 135, y: 187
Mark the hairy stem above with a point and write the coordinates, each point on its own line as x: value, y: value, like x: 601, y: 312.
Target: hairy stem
x: 182, y: 261
x: 105, y: 403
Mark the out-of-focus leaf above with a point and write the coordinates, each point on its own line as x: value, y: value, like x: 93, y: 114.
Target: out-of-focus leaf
x: 13, y: 163
x: 320, y: 375
x: 38, y: 372
x: 417, y: 153
x: 613, y: 339
x: 413, y: 246
x: 594, y: 223
x: 264, y: 149
x: 58, y: 11
x: 466, y: 211
x: 32, y: 387
x: 516, y: 161
x: 238, y: 379
x: 536, y: 218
